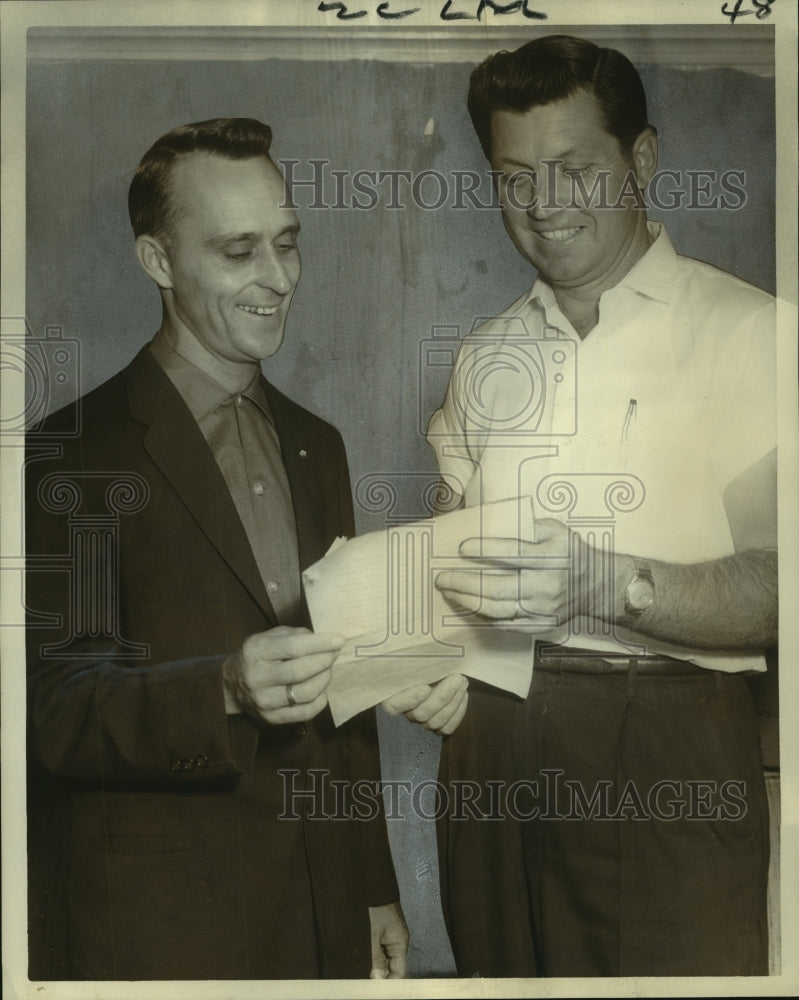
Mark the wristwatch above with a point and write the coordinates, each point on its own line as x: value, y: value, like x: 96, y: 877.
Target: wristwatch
x: 640, y: 592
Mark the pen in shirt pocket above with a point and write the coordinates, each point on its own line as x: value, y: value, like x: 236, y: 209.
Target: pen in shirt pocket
x: 629, y: 417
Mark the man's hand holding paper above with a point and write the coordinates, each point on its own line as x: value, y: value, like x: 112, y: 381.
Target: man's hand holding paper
x: 280, y: 675
x: 533, y: 585
x: 439, y: 707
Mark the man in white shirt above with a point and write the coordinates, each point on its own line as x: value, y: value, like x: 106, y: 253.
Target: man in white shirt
x: 631, y: 394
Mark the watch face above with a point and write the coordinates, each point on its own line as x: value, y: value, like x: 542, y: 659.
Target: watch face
x: 640, y: 594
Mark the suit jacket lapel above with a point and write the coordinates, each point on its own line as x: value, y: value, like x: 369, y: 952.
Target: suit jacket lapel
x: 299, y: 461
x: 177, y: 446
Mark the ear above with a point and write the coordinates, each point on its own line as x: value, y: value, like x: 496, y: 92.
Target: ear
x: 154, y: 259
x: 645, y: 156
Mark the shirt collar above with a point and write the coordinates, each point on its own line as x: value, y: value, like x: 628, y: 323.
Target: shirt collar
x: 201, y: 392
x: 256, y: 394
x: 653, y: 275
x: 231, y: 375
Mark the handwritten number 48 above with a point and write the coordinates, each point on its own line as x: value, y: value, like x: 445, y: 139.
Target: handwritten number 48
x: 761, y: 8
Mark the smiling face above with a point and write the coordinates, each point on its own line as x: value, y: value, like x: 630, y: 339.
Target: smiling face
x: 571, y: 239
x: 230, y: 264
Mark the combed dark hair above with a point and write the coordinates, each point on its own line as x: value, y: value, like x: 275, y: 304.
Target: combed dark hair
x: 150, y: 204
x: 551, y: 69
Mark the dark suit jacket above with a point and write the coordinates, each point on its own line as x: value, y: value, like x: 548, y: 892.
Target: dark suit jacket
x: 156, y: 844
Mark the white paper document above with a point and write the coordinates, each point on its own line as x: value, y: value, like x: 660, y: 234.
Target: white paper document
x: 378, y: 591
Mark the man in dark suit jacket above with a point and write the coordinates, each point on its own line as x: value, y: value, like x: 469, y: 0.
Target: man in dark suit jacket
x: 181, y: 758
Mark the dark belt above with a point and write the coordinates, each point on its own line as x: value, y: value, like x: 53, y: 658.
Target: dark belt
x: 566, y: 660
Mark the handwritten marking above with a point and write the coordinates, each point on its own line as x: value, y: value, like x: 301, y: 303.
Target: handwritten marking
x: 760, y: 8
x: 383, y: 11
x: 340, y: 9
x: 446, y: 13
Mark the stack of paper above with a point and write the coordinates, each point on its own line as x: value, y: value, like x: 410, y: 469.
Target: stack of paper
x: 378, y: 592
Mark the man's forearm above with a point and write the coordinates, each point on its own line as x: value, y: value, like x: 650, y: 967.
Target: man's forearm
x: 728, y: 603
x: 96, y: 717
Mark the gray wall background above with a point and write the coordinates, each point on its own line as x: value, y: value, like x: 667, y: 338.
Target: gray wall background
x: 375, y: 283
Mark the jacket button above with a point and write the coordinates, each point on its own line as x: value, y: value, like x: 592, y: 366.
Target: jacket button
x: 188, y: 764
x: 302, y: 729
x: 176, y: 765
x: 201, y: 762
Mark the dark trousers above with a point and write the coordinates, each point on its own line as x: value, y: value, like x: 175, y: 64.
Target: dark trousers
x: 639, y: 810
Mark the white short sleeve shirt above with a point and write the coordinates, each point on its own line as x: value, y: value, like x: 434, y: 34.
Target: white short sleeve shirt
x: 632, y: 433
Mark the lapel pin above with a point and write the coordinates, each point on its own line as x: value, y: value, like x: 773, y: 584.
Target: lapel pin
x: 303, y: 453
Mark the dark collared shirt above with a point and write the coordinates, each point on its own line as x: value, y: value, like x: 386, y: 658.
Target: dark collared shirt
x: 241, y: 433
